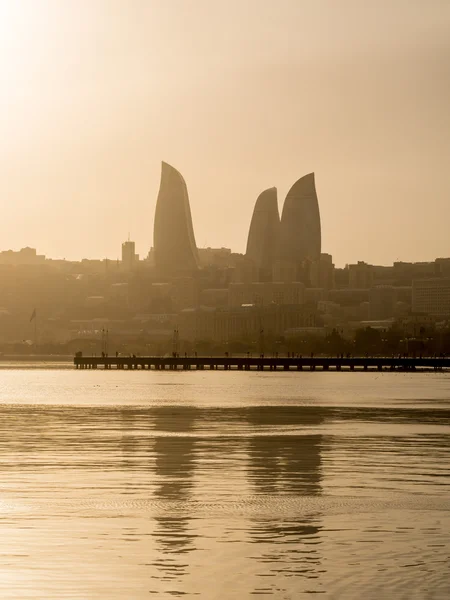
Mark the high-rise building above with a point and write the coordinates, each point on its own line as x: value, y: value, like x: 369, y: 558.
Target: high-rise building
x: 173, y: 235
x: 263, y: 237
x: 300, y: 233
x: 129, y: 256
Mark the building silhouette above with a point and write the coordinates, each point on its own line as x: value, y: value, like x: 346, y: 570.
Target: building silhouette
x: 300, y: 233
x: 129, y: 256
x: 263, y: 237
x: 360, y: 276
x: 382, y: 302
x: 173, y: 236
x: 431, y: 296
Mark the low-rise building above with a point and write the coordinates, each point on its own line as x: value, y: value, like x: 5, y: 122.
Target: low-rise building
x: 321, y: 272
x: 382, y: 302
x: 25, y: 256
x: 243, y: 322
x: 214, y: 297
x: 360, y: 275
x: 431, y: 297
x: 266, y: 293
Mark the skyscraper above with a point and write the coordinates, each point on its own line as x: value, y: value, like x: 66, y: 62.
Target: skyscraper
x: 173, y: 234
x: 300, y: 235
x: 263, y: 237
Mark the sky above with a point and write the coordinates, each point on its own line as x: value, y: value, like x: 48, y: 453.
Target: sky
x: 239, y: 96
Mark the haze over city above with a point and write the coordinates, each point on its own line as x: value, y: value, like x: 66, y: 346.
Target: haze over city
x: 240, y: 96
x: 224, y: 299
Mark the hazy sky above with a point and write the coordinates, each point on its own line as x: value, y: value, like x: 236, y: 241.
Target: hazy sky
x: 239, y: 95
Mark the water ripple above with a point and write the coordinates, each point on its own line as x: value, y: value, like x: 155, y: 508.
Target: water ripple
x: 224, y: 485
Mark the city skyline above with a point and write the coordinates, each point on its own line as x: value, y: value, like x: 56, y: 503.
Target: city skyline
x: 271, y: 239
x: 94, y: 94
x: 225, y: 298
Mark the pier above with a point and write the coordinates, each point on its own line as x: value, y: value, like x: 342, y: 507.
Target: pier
x: 226, y: 363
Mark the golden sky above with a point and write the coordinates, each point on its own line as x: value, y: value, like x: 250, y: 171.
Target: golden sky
x: 239, y: 95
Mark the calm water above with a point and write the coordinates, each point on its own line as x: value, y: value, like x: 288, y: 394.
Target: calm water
x: 224, y: 485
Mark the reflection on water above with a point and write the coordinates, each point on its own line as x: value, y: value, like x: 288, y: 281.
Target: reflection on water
x: 174, y: 468
x: 192, y: 491
x: 288, y: 465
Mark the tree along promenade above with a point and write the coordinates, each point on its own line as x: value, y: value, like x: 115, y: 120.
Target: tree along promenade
x: 261, y: 363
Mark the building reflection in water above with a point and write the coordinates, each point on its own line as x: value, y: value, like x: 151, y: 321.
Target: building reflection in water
x: 133, y: 443
x: 160, y: 442
x: 174, y: 465
x: 278, y: 449
x: 284, y: 468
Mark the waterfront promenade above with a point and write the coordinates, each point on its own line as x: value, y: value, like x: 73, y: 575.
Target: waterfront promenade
x: 240, y: 363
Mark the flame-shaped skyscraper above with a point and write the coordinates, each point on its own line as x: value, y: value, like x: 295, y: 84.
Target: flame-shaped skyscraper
x: 173, y: 234
x: 300, y: 234
x: 263, y: 237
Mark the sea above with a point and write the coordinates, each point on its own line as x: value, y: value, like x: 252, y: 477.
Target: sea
x: 222, y: 485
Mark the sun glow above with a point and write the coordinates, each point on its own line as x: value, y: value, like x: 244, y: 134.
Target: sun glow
x: 16, y: 34
x: 15, y: 22
x: 25, y: 52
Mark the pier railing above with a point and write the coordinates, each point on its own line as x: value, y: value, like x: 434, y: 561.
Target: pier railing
x: 226, y: 363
